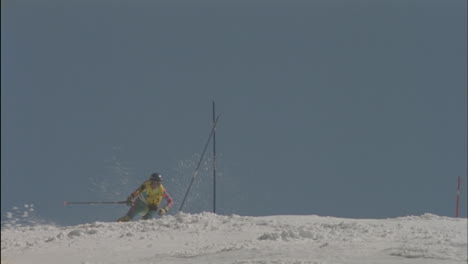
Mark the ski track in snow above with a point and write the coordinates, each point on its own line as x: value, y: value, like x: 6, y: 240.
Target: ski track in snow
x: 211, y: 238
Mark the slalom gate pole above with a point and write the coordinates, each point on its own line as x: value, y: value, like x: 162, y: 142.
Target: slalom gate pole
x: 458, y: 197
x: 214, y: 161
x: 119, y: 202
x: 199, y: 163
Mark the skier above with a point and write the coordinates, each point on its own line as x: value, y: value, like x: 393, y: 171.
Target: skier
x: 146, y: 199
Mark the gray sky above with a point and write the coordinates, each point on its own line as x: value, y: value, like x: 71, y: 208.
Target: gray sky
x: 339, y: 108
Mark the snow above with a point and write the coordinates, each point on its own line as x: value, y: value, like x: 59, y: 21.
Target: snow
x: 233, y: 239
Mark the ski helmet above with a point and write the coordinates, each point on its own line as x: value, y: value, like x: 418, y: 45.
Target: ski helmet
x: 156, y: 177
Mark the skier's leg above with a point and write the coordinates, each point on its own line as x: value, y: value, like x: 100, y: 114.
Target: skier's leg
x: 124, y: 218
x: 137, y: 208
x: 150, y: 214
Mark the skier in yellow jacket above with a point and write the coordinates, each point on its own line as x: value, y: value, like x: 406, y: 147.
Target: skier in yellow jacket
x: 146, y: 199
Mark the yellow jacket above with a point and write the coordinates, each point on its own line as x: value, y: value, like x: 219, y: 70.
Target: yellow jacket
x: 152, y: 196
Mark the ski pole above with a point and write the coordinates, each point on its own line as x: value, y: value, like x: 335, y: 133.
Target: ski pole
x: 119, y: 202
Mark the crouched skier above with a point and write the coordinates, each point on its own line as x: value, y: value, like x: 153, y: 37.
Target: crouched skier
x: 146, y: 199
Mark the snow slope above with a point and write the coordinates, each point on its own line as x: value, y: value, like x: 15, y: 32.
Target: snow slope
x: 210, y: 238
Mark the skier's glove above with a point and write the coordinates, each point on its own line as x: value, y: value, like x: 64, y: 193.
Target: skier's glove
x: 130, y: 200
x: 163, y: 211
x: 153, y: 207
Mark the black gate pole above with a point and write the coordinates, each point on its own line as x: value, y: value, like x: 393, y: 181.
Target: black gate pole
x: 199, y: 163
x: 214, y: 160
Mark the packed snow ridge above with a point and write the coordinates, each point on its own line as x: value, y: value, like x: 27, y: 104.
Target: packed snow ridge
x: 211, y: 238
